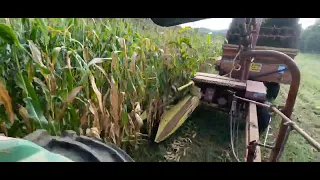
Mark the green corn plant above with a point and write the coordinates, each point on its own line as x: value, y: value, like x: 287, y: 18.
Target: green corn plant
x: 107, y: 78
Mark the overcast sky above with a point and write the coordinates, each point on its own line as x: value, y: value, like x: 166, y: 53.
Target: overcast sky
x: 223, y: 23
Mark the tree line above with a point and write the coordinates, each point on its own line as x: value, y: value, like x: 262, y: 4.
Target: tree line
x: 310, y: 39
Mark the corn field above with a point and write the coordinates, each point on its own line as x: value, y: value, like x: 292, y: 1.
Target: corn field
x: 104, y: 78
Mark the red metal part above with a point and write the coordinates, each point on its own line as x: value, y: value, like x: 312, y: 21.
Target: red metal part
x: 253, y: 153
x: 267, y: 65
x: 256, y: 91
x: 292, y: 95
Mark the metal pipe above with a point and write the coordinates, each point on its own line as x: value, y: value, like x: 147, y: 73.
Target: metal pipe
x: 185, y: 86
x: 293, y: 125
x: 306, y: 136
x: 292, y: 95
x: 178, y: 89
x: 286, y: 137
x: 265, y: 146
x: 254, y: 102
x: 268, y: 73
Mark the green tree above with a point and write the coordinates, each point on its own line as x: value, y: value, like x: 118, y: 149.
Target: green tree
x: 310, y: 39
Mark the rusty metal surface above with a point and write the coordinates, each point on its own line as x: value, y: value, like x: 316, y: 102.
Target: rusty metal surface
x: 283, y: 77
x: 218, y: 80
x: 273, y: 32
x: 231, y: 48
x: 268, y: 64
x: 294, y: 126
x: 268, y: 36
x: 255, y: 91
x: 292, y: 95
x: 253, y: 153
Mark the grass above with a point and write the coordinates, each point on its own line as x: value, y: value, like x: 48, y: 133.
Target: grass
x: 305, y: 112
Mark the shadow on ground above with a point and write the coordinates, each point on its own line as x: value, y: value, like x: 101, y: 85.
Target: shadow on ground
x: 210, y: 144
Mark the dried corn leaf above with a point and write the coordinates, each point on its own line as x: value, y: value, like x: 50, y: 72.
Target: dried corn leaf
x: 149, y: 118
x: 112, y: 134
x: 122, y: 42
x: 137, y: 108
x: 155, y: 109
x: 105, y: 121
x: 81, y: 131
x: 26, y: 118
x: 138, y: 119
x: 97, y: 60
x: 127, y: 127
x: 3, y: 128
x: 35, y: 53
x: 97, y: 92
x: 114, y: 101
x: 114, y: 61
x: 73, y: 94
x: 121, y: 98
x: 106, y: 116
x: 94, y: 111
x: 84, y: 118
x: 69, y: 99
x: 133, y: 62
x: 68, y: 60
x: 103, y: 72
x: 131, y: 125
x: 168, y: 61
x: 53, y: 85
x: 54, y: 56
x: 144, y: 115
x: 93, y: 132
x: 6, y: 100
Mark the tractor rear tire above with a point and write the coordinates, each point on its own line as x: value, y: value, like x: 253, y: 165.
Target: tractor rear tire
x: 263, y: 118
x: 272, y: 90
x: 79, y: 148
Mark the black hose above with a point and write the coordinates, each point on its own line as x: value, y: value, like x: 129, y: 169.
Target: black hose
x: 269, y: 73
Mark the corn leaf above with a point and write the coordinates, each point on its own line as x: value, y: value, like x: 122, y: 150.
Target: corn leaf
x: 6, y: 100
x: 35, y: 113
x: 7, y: 34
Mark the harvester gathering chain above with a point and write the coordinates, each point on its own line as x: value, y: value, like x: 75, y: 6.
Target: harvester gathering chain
x: 245, y: 25
x: 233, y: 63
x: 245, y: 42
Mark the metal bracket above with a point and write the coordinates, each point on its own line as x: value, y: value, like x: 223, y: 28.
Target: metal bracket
x: 253, y: 144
